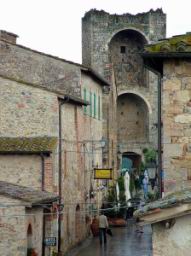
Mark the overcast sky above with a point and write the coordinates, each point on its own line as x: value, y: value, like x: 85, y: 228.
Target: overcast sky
x: 54, y: 26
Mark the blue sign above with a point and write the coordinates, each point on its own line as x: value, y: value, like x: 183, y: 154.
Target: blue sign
x: 50, y: 241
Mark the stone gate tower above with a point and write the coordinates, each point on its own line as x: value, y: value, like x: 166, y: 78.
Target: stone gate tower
x: 111, y: 45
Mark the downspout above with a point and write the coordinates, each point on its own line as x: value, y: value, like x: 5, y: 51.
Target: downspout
x: 60, y: 174
x: 42, y: 171
x: 159, y: 126
x: 43, y: 187
x: 60, y: 186
x: 159, y: 137
x: 43, y: 233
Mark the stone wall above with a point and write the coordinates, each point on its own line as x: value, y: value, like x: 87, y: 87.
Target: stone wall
x: 22, y: 170
x: 174, y: 241
x: 12, y: 228
x: 93, y: 135
x: 27, y: 111
x: 176, y: 109
x: 81, y: 151
x: 30, y: 83
x: 14, y: 223
x: 35, y: 219
x: 113, y: 49
x: 26, y: 65
x: 125, y: 48
x: 132, y: 119
x: 99, y: 27
x: 72, y: 175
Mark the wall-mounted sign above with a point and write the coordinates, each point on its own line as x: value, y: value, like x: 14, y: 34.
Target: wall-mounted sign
x: 103, y: 174
x: 50, y: 241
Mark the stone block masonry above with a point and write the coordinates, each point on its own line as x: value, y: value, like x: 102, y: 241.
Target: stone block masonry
x: 176, y: 125
x: 111, y: 44
x: 25, y: 65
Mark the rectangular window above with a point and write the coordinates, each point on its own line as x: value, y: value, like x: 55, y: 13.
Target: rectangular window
x: 99, y: 108
x: 123, y: 49
x: 85, y: 99
x: 90, y: 104
x: 95, y: 106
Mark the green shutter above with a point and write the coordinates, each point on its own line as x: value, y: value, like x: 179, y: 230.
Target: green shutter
x: 99, y: 108
x: 95, y: 105
x: 85, y: 98
x: 90, y: 104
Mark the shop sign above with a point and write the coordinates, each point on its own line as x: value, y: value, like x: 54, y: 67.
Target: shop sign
x: 50, y: 241
x: 105, y: 174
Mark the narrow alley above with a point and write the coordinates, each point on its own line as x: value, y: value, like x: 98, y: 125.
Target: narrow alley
x: 125, y: 242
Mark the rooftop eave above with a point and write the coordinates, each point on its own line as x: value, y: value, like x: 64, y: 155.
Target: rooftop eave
x: 73, y: 100
x: 154, y: 60
x: 160, y: 215
x: 95, y: 75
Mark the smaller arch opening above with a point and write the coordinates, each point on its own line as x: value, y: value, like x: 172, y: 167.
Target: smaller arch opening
x: 131, y: 161
x: 78, y: 222
x: 133, y: 124
x: 29, y: 238
x: 78, y: 207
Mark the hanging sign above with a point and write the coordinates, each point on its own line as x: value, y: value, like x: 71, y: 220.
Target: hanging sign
x: 105, y: 174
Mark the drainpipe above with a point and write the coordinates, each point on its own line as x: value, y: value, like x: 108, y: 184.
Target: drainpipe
x: 159, y: 126
x: 43, y: 188
x: 60, y: 185
x: 159, y: 137
x: 43, y: 233
x: 60, y: 174
x: 42, y: 171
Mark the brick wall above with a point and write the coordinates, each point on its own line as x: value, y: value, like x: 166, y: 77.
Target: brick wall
x: 48, y: 174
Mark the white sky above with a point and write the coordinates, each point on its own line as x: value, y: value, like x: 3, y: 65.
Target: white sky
x: 54, y: 26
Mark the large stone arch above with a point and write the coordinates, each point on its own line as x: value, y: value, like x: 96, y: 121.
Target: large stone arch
x: 124, y: 54
x: 140, y: 95
x: 132, y: 119
x: 147, y: 41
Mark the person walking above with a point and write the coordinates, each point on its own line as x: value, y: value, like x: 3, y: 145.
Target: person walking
x: 103, y: 225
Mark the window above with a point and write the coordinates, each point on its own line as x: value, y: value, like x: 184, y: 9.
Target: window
x: 85, y: 98
x: 95, y: 105
x: 123, y: 49
x: 99, y: 108
x: 90, y: 104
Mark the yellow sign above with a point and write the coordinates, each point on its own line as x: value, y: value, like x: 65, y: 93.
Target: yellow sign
x: 103, y: 174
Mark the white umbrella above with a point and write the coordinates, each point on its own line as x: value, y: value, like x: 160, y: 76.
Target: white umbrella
x: 126, y: 183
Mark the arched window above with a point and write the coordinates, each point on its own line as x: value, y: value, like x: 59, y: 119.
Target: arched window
x: 78, y: 222
x: 29, y: 237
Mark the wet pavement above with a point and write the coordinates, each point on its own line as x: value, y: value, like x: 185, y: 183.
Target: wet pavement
x: 125, y: 242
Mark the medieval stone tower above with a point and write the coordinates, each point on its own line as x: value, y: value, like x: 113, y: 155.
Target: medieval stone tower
x: 112, y: 45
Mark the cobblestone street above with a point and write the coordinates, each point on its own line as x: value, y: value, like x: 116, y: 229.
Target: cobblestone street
x: 125, y: 242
